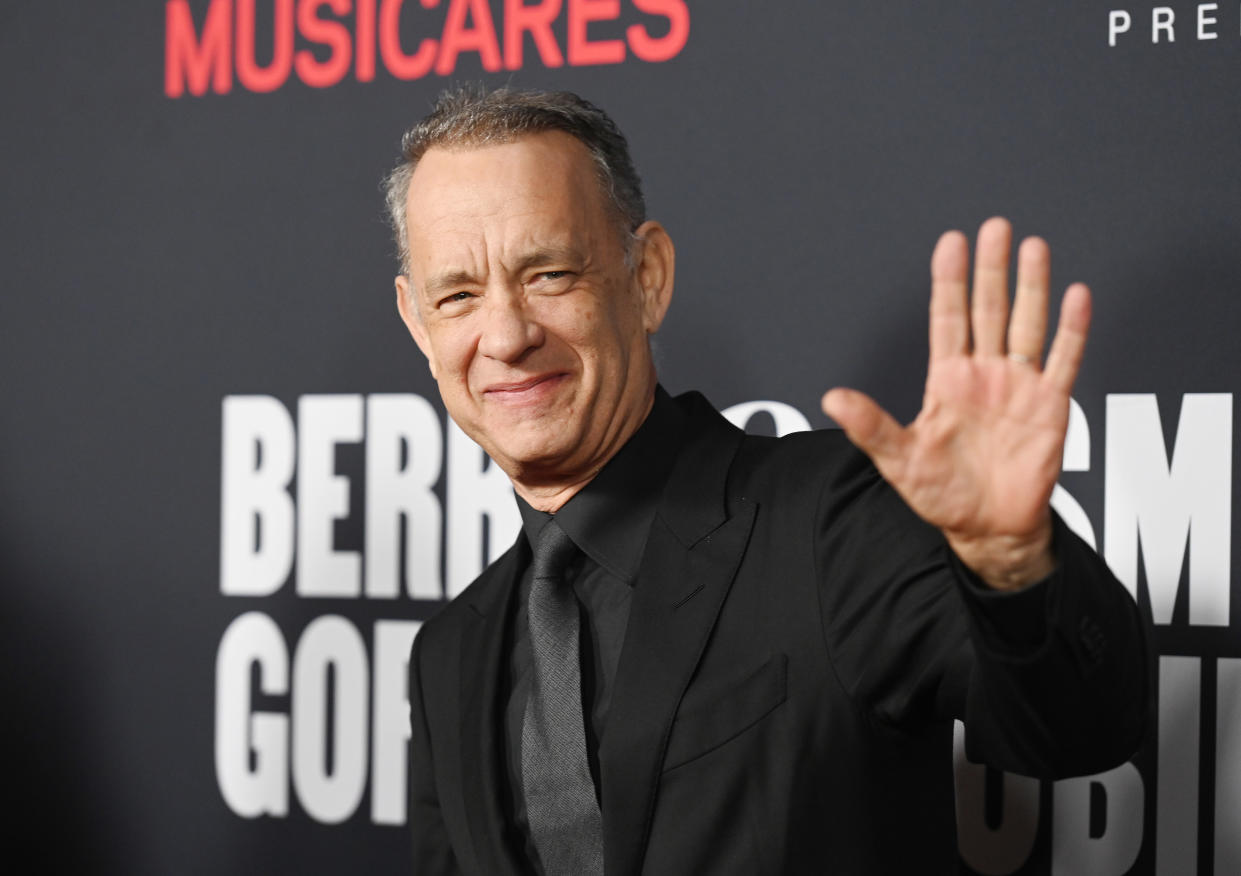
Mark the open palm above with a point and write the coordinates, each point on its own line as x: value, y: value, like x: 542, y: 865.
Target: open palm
x: 982, y: 456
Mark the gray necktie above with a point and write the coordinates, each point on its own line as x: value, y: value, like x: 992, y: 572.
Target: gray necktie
x: 561, y: 807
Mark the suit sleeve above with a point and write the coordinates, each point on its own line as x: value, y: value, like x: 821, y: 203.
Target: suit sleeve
x: 1051, y: 681
x: 433, y: 854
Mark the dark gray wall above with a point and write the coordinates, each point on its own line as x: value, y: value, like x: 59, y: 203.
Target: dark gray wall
x: 164, y: 253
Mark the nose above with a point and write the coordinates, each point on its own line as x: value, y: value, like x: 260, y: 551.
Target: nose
x: 509, y: 330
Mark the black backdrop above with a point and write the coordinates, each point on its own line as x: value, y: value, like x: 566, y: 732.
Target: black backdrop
x: 164, y: 253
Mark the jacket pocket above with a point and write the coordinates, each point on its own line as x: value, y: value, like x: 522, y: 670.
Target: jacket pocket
x: 707, y: 726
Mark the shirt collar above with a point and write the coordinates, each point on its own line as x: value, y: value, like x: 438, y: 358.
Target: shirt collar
x: 610, y: 517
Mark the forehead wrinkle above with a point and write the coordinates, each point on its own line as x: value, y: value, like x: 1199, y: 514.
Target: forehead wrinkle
x: 442, y: 270
x: 540, y: 234
x: 504, y: 227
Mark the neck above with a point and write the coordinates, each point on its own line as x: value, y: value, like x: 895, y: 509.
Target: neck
x: 551, y: 497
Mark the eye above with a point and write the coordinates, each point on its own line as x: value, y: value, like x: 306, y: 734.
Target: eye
x: 552, y: 281
x: 454, y: 298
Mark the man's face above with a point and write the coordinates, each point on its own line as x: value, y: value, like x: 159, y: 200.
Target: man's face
x: 519, y: 295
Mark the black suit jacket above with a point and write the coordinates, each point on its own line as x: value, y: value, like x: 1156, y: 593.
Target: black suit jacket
x: 798, y: 645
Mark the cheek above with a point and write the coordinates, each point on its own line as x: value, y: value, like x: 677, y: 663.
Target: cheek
x: 586, y: 320
x: 597, y: 331
x: 575, y: 325
x: 452, y: 355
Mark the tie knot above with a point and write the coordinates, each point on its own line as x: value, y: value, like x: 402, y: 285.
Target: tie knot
x: 553, y: 551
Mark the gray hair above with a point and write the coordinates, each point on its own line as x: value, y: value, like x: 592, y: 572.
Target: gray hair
x: 473, y: 116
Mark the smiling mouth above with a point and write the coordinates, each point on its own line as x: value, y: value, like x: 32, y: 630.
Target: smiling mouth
x: 532, y: 389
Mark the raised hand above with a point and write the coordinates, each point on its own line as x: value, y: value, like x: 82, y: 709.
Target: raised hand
x: 982, y: 456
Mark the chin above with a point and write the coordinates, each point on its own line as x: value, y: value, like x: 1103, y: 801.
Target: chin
x: 535, y: 455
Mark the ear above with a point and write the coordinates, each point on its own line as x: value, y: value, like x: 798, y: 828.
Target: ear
x: 654, y: 272
x: 408, y: 308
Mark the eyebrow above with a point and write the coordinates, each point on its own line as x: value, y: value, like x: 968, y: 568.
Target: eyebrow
x: 449, y: 280
x: 442, y: 283
x: 548, y: 255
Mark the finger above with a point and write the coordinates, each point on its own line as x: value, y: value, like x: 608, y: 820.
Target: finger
x: 989, y: 310
x: 868, y: 426
x: 1028, y: 327
x: 950, y: 329
x: 1069, y: 345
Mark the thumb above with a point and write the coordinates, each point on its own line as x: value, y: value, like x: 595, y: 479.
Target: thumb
x: 867, y: 425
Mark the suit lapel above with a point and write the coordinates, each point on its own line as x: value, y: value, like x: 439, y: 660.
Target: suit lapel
x: 481, y: 742
x: 695, y: 546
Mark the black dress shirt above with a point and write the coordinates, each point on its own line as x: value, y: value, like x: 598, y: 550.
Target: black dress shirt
x: 608, y: 520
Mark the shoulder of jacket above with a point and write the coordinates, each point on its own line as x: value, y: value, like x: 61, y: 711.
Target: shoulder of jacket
x: 445, y: 624
x: 820, y: 450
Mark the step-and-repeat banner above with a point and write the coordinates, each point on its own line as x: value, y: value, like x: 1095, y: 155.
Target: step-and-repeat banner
x: 230, y: 492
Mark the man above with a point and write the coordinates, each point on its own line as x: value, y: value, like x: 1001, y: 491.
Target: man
x: 752, y: 656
